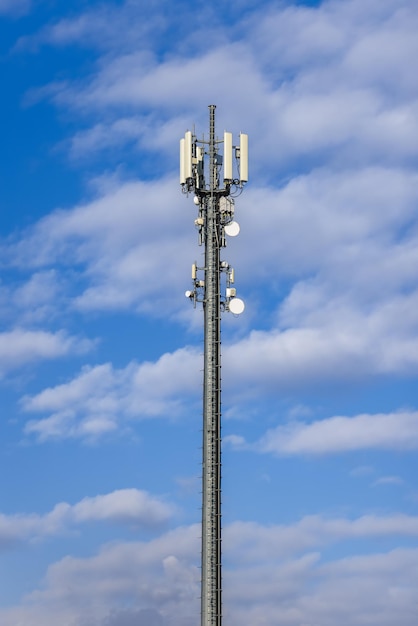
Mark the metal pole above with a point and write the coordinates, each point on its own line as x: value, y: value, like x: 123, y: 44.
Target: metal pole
x: 214, y: 221
x: 211, y: 598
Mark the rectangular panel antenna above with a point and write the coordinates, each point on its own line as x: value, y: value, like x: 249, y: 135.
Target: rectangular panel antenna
x: 228, y: 156
x: 188, y: 155
x: 199, y: 155
x: 182, y: 175
x: 243, y: 162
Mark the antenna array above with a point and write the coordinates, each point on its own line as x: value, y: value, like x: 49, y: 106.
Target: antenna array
x: 201, y: 169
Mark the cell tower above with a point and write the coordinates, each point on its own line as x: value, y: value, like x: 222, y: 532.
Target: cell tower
x: 214, y: 197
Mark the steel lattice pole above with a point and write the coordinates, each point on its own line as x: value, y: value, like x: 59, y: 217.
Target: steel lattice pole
x: 215, y: 220
x: 211, y: 598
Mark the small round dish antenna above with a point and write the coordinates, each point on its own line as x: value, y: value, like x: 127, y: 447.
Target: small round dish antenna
x: 236, y: 306
x: 232, y: 229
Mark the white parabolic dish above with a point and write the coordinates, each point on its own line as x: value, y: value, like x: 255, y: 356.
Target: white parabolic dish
x: 232, y: 229
x: 236, y: 306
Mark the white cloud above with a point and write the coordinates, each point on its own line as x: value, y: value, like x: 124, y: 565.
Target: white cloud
x: 388, y: 480
x: 343, y: 226
x: 31, y: 300
x: 362, y: 470
x: 380, y: 586
x: 342, y: 51
x: 304, y: 81
x: 20, y: 346
x: 357, y: 310
x: 101, y: 398
x: 100, y: 26
x: 269, y: 577
x: 347, y: 238
x: 132, y: 507
x: 159, y: 573
x: 338, y: 223
x: 344, y: 234
x: 347, y: 244
x: 250, y: 542
x: 132, y: 617
x: 14, y: 7
x: 129, y: 249
x: 339, y: 229
x: 107, y: 136
x: 39, y: 290
x: 350, y: 349
x: 129, y: 506
x: 374, y: 589
x: 391, y: 431
x: 330, y: 85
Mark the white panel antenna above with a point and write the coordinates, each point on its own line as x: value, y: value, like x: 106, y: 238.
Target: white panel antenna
x: 199, y: 155
x: 228, y: 156
x: 182, y: 175
x: 243, y: 157
x: 188, y: 155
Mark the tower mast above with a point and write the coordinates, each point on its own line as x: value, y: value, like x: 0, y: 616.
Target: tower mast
x: 215, y: 220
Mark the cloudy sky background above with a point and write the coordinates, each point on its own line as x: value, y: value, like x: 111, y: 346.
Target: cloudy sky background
x: 101, y: 353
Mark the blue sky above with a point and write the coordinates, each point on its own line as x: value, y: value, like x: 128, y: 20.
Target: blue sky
x: 101, y: 353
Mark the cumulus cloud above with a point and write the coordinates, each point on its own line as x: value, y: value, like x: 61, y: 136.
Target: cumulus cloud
x: 306, y: 81
x: 388, y: 480
x: 304, y: 357
x: 143, y: 617
x: 100, y: 27
x: 125, y: 506
x: 253, y: 542
x: 348, y: 242
x: 128, y: 246
x: 101, y: 398
x: 329, y: 222
x: 38, y: 291
x: 344, y: 231
x: 132, y: 507
x: 391, y: 431
x: 374, y: 589
x: 33, y: 299
x: 271, y: 574
x: 354, y: 300
x: 108, y: 136
x: 14, y: 7
x: 20, y: 346
x: 159, y: 575
x: 328, y: 94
